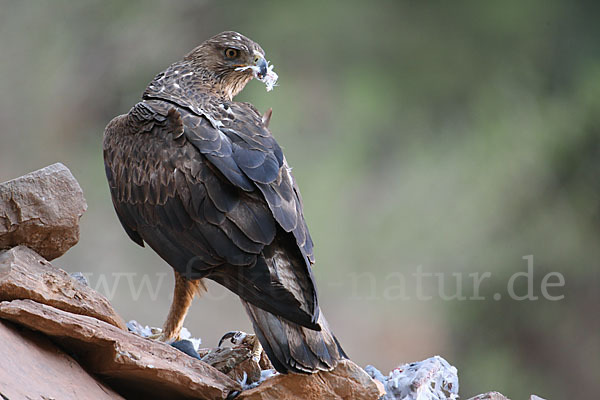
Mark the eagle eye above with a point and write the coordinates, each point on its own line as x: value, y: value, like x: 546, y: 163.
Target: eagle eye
x: 231, y: 52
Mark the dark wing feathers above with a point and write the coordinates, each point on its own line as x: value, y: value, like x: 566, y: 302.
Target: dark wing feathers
x: 188, y: 188
x: 124, y: 218
x: 254, y: 219
x: 249, y: 157
x: 231, y: 171
x: 224, y: 196
x: 210, y: 142
x: 259, y: 286
x: 258, y: 165
x: 283, y: 211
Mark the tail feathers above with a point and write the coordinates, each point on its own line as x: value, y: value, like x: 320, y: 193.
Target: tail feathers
x: 292, y: 347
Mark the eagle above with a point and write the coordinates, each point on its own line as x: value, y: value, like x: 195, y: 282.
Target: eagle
x: 199, y: 178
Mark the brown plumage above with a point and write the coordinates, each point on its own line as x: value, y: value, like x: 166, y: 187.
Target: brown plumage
x: 199, y: 178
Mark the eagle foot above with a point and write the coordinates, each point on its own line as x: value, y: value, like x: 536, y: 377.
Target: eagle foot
x: 159, y: 335
x: 245, y: 339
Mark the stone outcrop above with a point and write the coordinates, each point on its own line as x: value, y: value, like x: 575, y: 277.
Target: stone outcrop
x: 135, y: 366
x: 32, y: 367
x: 346, y: 381
x: 24, y: 274
x: 47, y: 300
x: 41, y: 210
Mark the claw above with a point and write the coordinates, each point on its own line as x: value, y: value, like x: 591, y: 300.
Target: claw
x: 160, y: 336
x: 236, y: 337
x: 239, y: 337
x: 226, y: 336
x: 157, y: 334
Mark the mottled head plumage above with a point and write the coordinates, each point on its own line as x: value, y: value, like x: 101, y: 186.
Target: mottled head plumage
x: 223, y: 58
x: 224, y: 40
x: 220, y: 67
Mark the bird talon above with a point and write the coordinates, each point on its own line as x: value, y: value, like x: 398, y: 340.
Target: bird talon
x: 161, y: 336
x: 157, y: 334
x: 235, y: 337
x: 243, y: 338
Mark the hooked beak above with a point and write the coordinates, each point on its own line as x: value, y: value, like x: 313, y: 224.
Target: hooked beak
x: 261, y: 63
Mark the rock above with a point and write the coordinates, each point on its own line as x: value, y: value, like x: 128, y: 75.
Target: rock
x: 432, y: 379
x: 32, y: 367
x: 134, y: 366
x: 26, y: 275
x: 41, y: 210
x: 490, y: 396
x: 346, y: 381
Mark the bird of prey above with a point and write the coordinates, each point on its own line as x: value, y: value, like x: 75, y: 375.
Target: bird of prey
x: 199, y: 178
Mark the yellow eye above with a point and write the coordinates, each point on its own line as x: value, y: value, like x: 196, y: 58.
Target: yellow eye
x: 231, y: 53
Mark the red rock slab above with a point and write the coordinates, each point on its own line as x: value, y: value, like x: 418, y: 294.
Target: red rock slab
x: 136, y: 367
x: 346, y: 381
x: 32, y: 367
x: 24, y: 274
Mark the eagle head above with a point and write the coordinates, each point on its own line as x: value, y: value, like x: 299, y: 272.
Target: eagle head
x: 230, y: 60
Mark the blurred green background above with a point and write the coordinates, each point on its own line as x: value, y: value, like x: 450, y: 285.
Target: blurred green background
x: 443, y: 137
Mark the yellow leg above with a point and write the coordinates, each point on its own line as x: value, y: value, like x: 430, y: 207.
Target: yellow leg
x: 184, y: 292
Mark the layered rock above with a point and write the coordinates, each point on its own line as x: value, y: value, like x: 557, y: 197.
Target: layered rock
x: 32, y: 367
x: 24, y: 274
x: 44, y: 298
x: 41, y: 210
x: 135, y: 366
x: 346, y: 381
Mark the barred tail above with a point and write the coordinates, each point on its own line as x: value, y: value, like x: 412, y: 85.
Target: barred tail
x: 292, y: 347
